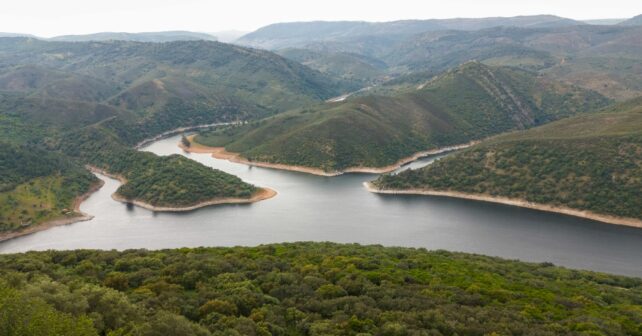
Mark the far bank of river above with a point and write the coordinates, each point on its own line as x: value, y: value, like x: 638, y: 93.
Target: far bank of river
x: 221, y: 153
x: 632, y: 222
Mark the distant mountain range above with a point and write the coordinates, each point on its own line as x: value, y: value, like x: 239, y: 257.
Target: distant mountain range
x: 165, y: 36
x: 300, y: 34
x: 606, y: 58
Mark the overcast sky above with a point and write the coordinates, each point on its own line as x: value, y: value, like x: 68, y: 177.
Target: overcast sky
x: 57, y: 17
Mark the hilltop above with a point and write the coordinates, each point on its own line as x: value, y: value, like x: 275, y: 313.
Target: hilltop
x: 585, y: 163
x: 471, y: 102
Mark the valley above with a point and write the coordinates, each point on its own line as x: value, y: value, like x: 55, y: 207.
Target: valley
x: 447, y: 176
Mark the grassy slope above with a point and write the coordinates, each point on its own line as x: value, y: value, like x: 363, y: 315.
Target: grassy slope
x: 37, y: 186
x: 592, y: 162
x: 471, y: 102
x: 323, y: 289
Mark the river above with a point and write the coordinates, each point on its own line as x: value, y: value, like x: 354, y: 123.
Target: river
x: 339, y: 209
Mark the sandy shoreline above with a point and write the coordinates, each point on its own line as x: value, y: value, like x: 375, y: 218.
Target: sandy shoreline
x: 221, y: 153
x: 262, y: 194
x: 82, y: 217
x: 631, y: 222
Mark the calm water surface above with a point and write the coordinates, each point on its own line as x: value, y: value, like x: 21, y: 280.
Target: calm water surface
x: 339, y: 209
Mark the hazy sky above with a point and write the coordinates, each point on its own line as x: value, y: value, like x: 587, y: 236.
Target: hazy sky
x: 57, y: 17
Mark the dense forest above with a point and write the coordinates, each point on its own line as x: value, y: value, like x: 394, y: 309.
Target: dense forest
x: 468, y: 103
x: 307, y: 289
x: 591, y: 162
x: 171, y: 181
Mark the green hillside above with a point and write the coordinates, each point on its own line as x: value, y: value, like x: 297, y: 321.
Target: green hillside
x: 309, y: 289
x: 471, y: 102
x: 347, y: 66
x: 92, y: 101
x: 590, y: 162
x: 37, y: 186
x: 164, y: 84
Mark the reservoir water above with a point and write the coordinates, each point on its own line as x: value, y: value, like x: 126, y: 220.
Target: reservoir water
x: 339, y: 209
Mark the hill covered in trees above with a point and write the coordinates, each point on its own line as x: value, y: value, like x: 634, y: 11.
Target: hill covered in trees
x: 590, y: 162
x: 90, y: 102
x: 164, y: 84
x: 470, y: 102
x: 307, y: 289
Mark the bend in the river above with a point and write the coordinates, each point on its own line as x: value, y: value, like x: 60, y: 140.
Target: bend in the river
x: 339, y: 209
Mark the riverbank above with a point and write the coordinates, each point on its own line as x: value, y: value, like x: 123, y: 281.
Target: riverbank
x: 261, y: 195
x: 81, y: 217
x: 631, y: 222
x: 221, y: 153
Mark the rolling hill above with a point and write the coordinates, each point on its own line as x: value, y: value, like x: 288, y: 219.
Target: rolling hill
x: 591, y: 162
x: 208, y: 81
x: 471, y: 102
x: 88, y: 103
x: 604, y: 58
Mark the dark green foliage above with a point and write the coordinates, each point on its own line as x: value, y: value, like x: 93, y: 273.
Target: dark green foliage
x: 592, y: 162
x: 471, y: 102
x: 171, y: 181
x: 322, y: 289
x: 184, y: 141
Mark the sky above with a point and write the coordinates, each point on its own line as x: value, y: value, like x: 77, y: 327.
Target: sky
x: 48, y: 18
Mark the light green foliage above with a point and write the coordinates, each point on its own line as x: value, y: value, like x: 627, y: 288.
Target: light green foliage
x: 37, y: 186
x: 22, y: 315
